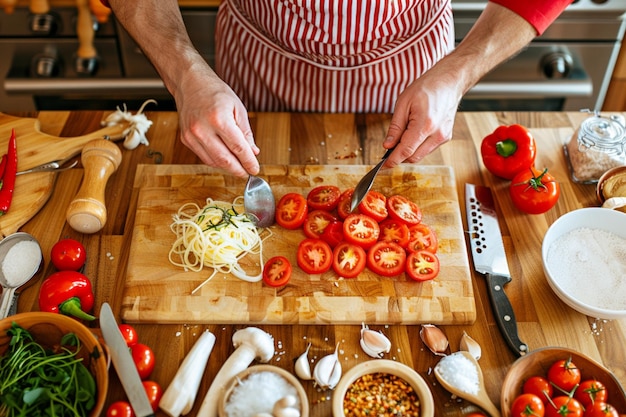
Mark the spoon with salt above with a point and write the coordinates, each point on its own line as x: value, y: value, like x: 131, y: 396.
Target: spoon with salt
x: 460, y: 374
x: 20, y: 260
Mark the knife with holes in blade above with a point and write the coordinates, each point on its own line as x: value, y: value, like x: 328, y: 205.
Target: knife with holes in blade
x: 490, y: 259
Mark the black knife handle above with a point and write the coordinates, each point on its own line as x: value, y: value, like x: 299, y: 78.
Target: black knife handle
x: 503, y: 310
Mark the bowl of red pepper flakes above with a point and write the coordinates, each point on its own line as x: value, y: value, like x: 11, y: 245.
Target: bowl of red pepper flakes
x: 50, y: 331
x: 382, y: 387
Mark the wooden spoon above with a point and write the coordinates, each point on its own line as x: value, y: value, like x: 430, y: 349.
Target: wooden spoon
x: 445, y: 378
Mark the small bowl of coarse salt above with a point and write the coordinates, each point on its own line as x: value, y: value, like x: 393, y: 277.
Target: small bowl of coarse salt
x: 584, y: 260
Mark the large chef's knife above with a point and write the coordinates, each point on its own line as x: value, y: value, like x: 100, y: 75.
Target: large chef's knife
x: 361, y: 189
x: 490, y: 259
x: 124, y: 365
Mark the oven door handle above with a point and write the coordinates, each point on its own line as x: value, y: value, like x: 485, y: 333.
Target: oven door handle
x: 62, y: 86
x: 531, y: 89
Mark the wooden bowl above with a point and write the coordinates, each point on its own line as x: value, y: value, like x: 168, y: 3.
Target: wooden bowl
x: 537, y: 362
x: 427, y: 406
x: 48, y: 328
x: 256, y: 369
x: 611, y: 173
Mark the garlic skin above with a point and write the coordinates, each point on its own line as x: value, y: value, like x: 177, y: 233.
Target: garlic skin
x: 470, y: 345
x: 302, y: 366
x: 374, y: 343
x: 327, y: 371
x: 434, y: 339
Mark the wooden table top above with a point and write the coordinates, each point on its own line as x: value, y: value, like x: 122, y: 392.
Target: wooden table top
x: 319, y: 139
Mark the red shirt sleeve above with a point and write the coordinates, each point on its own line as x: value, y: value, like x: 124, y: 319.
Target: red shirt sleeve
x: 539, y: 13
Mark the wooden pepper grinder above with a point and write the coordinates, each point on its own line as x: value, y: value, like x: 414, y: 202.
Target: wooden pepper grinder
x: 87, y: 56
x: 87, y: 213
x: 39, y: 6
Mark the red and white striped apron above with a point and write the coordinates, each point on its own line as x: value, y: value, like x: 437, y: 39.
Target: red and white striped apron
x: 329, y: 55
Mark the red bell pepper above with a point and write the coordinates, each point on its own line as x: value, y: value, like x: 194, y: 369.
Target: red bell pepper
x: 508, y: 150
x: 8, y: 176
x: 67, y: 292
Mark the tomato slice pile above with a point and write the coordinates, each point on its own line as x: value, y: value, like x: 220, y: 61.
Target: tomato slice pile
x: 383, y: 234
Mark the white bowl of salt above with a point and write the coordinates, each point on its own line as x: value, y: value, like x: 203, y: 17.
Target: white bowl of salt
x: 584, y: 259
x: 20, y: 260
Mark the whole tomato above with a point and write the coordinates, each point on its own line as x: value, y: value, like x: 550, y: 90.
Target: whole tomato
x: 143, y: 357
x: 68, y: 255
x: 120, y: 409
x: 564, y: 406
x: 601, y: 409
x: 564, y: 374
x: 154, y: 391
x: 527, y: 405
x: 130, y: 334
x: 539, y: 386
x: 591, y: 391
x: 534, y: 191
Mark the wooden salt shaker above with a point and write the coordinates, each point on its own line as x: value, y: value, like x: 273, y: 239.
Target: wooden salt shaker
x: 87, y: 213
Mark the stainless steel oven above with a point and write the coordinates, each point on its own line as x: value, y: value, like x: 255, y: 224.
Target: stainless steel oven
x: 569, y: 67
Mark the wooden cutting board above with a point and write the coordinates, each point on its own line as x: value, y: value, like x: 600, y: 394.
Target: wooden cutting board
x: 158, y: 292
x: 35, y: 148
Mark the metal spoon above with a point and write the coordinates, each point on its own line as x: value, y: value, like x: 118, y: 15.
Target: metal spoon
x: 361, y: 189
x: 16, y: 269
x: 258, y: 201
x: 480, y: 397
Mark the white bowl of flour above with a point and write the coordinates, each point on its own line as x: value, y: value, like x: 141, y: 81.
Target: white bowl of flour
x: 584, y: 259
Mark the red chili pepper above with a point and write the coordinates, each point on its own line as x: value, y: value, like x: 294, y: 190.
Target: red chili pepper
x: 3, y: 167
x: 8, y: 179
x: 67, y: 292
x: 508, y: 150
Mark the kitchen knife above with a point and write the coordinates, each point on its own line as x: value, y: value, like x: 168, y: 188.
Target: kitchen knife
x: 361, y: 189
x: 490, y: 259
x: 123, y: 363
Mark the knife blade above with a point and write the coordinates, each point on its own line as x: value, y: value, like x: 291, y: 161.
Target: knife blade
x: 364, y: 185
x: 490, y: 259
x: 123, y: 363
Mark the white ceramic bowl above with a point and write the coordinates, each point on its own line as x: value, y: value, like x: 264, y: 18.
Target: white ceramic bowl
x: 573, y: 290
x: 427, y: 406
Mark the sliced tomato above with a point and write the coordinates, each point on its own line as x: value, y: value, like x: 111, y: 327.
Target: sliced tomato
x: 361, y: 230
x: 422, y: 265
x: 422, y: 237
x: 333, y: 233
x: 392, y: 230
x: 323, y: 197
x: 386, y: 259
x: 314, y: 256
x: 374, y: 205
x: 348, y: 260
x: 316, y: 222
x: 291, y: 210
x: 345, y: 202
x: 403, y: 209
x: 277, y: 271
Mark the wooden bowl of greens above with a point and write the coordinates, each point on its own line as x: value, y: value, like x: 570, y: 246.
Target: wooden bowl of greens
x: 73, y: 376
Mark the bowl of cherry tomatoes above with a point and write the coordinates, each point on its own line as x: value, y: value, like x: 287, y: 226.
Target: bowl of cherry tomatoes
x: 558, y: 382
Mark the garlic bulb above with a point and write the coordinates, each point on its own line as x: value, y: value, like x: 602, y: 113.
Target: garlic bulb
x: 374, y: 343
x: 470, y: 345
x: 302, y: 367
x: 139, y: 124
x: 327, y: 371
x: 434, y: 339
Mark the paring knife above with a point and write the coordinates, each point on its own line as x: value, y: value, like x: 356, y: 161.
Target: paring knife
x: 123, y: 362
x: 361, y: 189
x: 490, y: 259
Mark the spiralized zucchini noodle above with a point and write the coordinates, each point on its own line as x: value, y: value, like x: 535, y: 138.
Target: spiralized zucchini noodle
x: 217, y: 235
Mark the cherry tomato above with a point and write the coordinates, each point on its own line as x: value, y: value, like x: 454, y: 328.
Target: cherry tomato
x: 539, y: 386
x: 314, y: 256
x: 345, y: 202
x: 422, y: 265
x: 374, y: 205
x: 120, y: 409
x: 348, y: 260
x: 130, y: 334
x: 143, y: 356
x: 392, y: 230
x: 533, y: 191
x: 601, y: 409
x: 154, y: 391
x: 361, y: 230
x: 386, y: 258
x: 316, y: 222
x: 422, y: 237
x: 323, y: 197
x: 564, y: 374
x: 527, y: 405
x: 564, y: 406
x: 291, y: 211
x: 68, y: 255
x: 403, y: 209
x: 591, y: 391
x: 277, y: 271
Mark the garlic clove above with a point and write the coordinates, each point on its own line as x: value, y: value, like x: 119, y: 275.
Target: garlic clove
x: 327, y: 371
x: 302, y: 367
x: 434, y: 339
x: 285, y: 407
x: 470, y: 345
x: 374, y: 343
